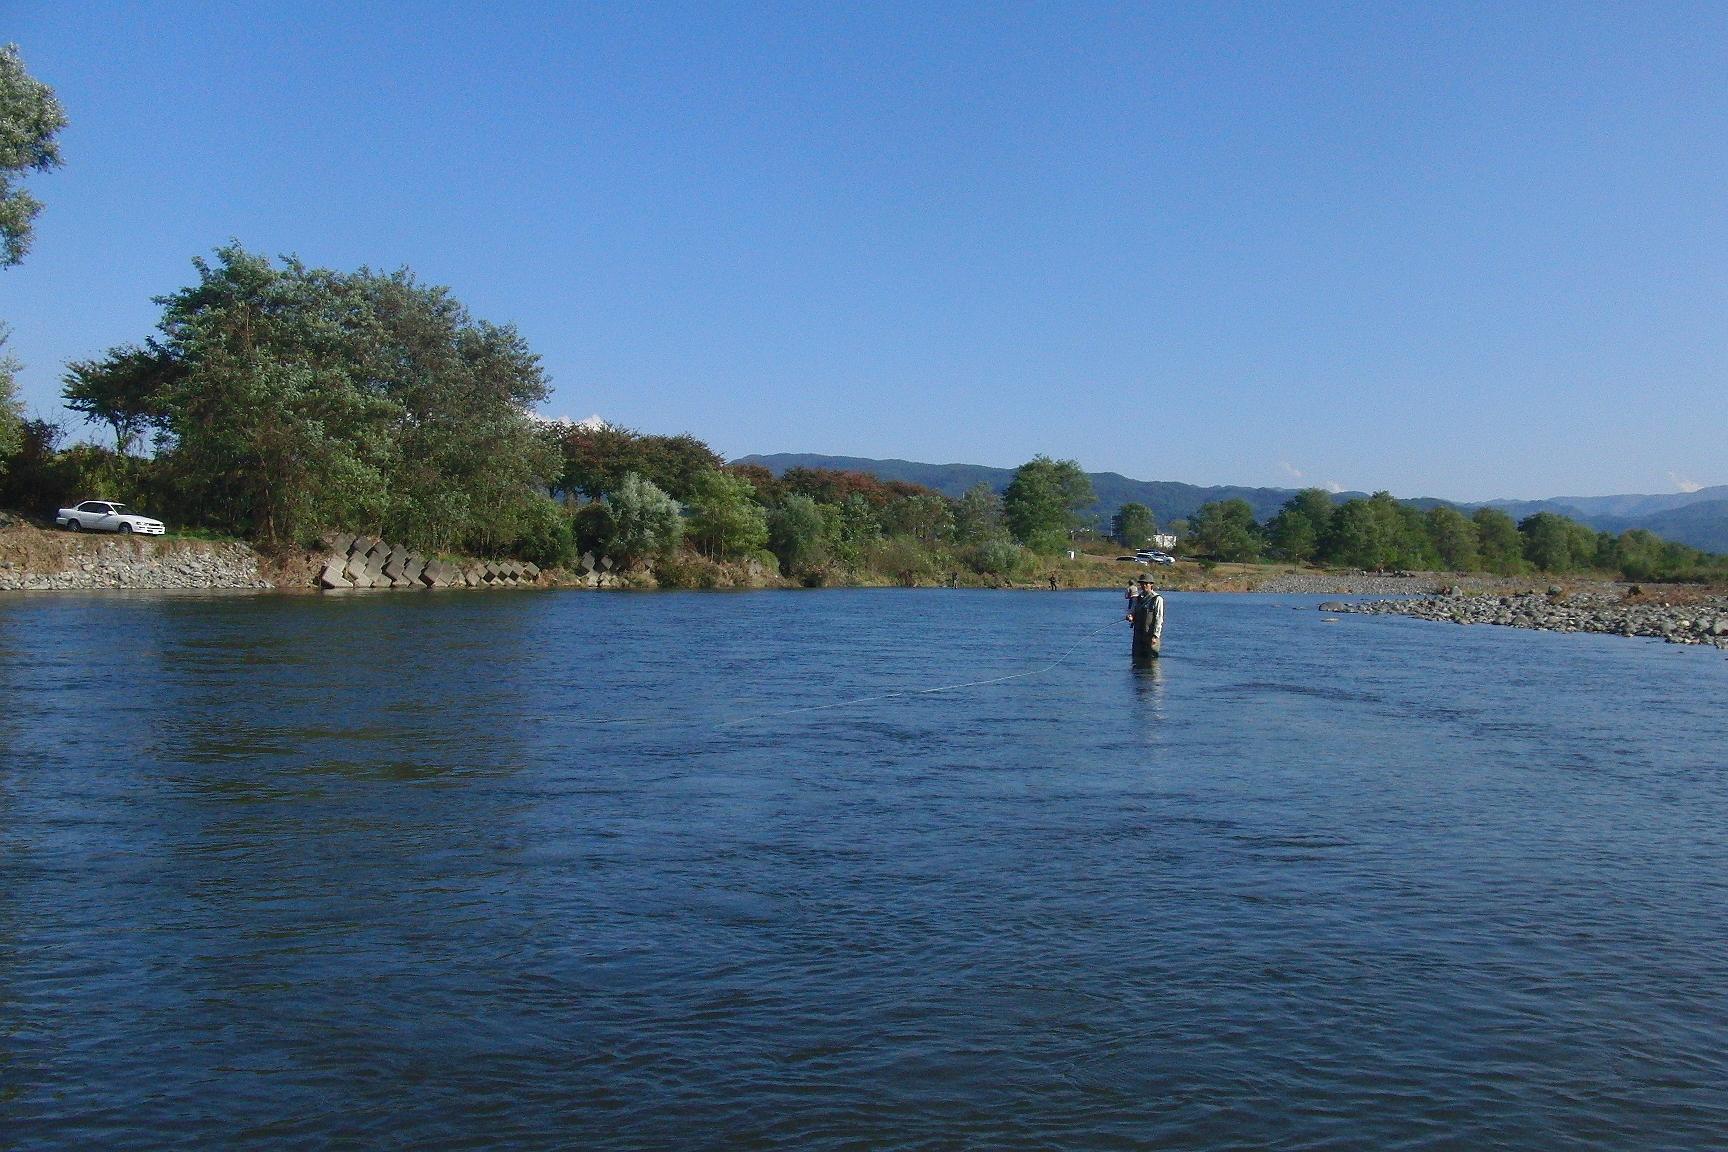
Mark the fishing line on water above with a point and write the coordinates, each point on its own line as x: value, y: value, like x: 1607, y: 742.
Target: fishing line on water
x: 853, y: 701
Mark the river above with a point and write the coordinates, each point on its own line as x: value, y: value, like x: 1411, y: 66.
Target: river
x: 685, y: 870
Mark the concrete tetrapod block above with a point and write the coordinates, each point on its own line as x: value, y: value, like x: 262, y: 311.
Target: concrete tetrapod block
x: 531, y: 570
x: 413, y: 566
x: 586, y: 564
x: 335, y: 574
x: 356, y: 569
x: 393, y: 566
x: 379, y: 552
x: 343, y: 544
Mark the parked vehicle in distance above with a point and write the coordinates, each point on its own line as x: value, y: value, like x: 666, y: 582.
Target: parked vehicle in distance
x: 1147, y: 556
x: 106, y: 516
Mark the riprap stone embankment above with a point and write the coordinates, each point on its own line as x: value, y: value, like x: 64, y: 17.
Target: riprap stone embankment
x: 34, y: 560
x: 1697, y: 619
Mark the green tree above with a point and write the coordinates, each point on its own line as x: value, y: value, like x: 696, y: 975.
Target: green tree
x: 467, y: 467
x: 11, y: 411
x: 1355, y: 536
x: 30, y: 123
x: 290, y: 400
x: 1639, y: 554
x: 1454, y: 538
x: 1378, y: 533
x: 977, y: 515
x: 924, y: 516
x: 598, y: 457
x: 724, y: 520
x: 539, y: 530
x: 1133, y: 525
x: 1553, y: 543
x: 1296, y: 531
x: 31, y: 481
x: 641, y: 520
x: 1498, y: 542
x: 1224, y: 530
x: 1042, y: 502
x: 270, y: 431
x: 798, y: 534
x: 123, y: 389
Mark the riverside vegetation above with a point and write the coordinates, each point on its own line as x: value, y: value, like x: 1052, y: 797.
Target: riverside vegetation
x: 280, y: 404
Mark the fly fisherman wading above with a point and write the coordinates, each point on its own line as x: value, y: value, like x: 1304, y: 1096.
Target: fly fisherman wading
x: 1146, y: 614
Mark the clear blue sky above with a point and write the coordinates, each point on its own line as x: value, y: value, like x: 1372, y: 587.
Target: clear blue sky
x: 1469, y: 250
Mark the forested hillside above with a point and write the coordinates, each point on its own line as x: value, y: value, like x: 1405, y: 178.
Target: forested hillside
x: 1698, y: 519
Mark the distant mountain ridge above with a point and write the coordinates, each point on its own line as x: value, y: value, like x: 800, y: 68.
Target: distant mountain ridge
x: 1699, y: 519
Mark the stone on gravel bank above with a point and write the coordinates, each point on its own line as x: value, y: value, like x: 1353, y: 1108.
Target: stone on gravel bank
x: 1703, y: 621
x: 89, y: 562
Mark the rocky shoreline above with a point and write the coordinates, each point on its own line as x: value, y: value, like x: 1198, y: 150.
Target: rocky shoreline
x: 1322, y: 583
x: 46, y: 562
x: 1680, y: 617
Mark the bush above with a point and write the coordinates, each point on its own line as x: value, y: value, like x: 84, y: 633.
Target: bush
x: 544, y: 534
x: 903, y: 558
x: 725, y: 519
x: 998, y: 556
x: 641, y: 520
x: 798, y: 533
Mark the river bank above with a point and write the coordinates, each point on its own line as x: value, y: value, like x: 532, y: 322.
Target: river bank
x: 33, y: 559
x: 1676, y: 615
x: 38, y: 559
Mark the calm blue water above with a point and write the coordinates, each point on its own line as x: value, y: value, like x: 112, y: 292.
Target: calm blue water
x: 380, y: 872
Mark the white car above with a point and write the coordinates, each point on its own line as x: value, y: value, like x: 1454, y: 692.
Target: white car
x: 1150, y: 557
x: 106, y: 516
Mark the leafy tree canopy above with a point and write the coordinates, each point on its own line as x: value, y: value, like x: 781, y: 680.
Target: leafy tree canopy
x: 724, y: 518
x: 597, y: 458
x: 121, y: 389
x: 642, y: 519
x: 30, y: 123
x: 1042, y: 502
x: 1133, y: 526
x: 1224, y: 530
x: 11, y: 411
x: 288, y: 400
x: 978, y: 515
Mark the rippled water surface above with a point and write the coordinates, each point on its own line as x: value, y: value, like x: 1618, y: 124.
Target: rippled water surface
x: 610, y: 871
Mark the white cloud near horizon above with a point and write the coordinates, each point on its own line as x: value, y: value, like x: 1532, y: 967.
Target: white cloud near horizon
x: 1682, y: 483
